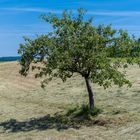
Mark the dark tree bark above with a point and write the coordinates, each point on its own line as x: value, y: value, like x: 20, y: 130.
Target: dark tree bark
x: 90, y: 93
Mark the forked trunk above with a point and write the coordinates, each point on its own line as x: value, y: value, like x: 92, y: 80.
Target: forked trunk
x: 90, y: 93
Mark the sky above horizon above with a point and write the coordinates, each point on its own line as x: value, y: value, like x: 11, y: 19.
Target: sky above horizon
x: 21, y: 18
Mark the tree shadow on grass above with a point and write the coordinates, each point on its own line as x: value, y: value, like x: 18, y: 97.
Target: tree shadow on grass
x: 43, y: 123
x: 57, y: 121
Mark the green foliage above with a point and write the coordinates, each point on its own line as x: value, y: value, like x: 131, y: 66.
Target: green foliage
x: 76, y: 46
x: 83, y: 111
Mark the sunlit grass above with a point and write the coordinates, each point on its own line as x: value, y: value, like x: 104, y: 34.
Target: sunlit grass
x: 43, y: 113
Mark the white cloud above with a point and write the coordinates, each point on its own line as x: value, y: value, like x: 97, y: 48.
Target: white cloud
x: 40, y: 10
x: 89, y: 12
x: 114, y: 13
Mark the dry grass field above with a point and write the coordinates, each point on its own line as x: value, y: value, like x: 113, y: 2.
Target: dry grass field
x: 28, y: 112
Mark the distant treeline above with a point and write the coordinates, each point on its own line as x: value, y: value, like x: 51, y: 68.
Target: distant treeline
x: 10, y: 58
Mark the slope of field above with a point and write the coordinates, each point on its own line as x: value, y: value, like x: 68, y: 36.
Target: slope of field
x: 28, y: 112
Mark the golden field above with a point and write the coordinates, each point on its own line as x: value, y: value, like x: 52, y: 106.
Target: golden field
x: 28, y: 112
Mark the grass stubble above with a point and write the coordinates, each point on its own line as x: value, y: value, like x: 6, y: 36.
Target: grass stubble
x: 28, y: 112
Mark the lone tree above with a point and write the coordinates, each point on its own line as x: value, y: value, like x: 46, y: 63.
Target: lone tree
x: 76, y: 46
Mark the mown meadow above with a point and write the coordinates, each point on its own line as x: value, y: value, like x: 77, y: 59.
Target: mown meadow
x: 28, y: 112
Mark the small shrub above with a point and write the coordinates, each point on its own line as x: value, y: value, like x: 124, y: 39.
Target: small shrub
x: 83, y: 112
x: 71, y: 111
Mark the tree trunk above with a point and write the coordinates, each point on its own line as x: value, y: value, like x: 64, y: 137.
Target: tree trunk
x: 90, y: 93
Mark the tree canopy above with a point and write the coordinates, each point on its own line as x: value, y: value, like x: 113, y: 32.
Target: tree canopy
x: 77, y: 46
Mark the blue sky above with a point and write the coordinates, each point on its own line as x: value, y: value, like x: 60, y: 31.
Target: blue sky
x: 20, y: 18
